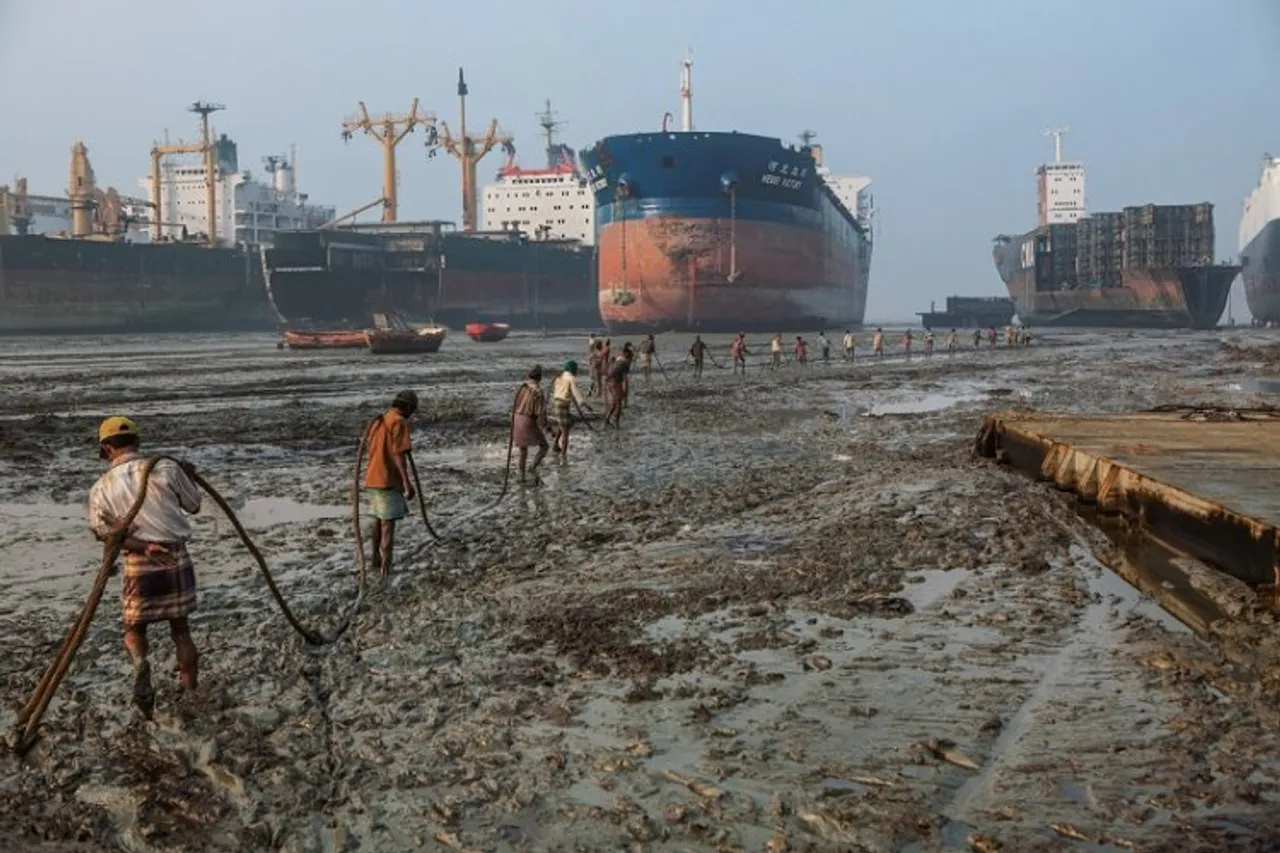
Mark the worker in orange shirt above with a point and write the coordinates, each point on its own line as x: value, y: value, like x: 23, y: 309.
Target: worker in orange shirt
x: 386, y: 480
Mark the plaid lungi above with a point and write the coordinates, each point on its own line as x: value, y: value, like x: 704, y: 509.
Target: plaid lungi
x: 154, y: 592
x: 561, y: 413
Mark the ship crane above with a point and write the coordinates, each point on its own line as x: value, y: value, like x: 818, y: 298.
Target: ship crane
x: 206, y: 147
x: 389, y: 130
x: 469, y: 152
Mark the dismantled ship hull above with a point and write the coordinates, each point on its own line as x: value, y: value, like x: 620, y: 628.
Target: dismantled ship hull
x: 338, y: 278
x: 722, y: 232
x: 59, y: 286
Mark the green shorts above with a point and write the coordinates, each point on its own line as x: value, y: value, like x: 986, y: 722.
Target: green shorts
x: 387, y: 504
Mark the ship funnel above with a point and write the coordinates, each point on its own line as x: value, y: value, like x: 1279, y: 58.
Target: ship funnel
x: 80, y: 189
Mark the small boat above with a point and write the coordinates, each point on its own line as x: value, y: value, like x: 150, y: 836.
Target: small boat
x: 488, y: 333
x: 341, y: 339
x: 405, y: 341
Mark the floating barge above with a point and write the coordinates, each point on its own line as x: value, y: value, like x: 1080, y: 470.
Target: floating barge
x: 1201, y: 482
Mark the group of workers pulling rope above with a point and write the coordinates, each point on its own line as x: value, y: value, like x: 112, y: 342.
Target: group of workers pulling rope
x: 140, y: 507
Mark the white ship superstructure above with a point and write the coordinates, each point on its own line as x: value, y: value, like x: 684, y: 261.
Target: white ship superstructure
x: 1263, y: 204
x: 553, y: 203
x: 854, y: 191
x: 550, y: 204
x: 251, y: 210
x: 1059, y: 187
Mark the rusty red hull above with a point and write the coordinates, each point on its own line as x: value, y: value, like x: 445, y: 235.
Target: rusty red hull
x: 664, y: 273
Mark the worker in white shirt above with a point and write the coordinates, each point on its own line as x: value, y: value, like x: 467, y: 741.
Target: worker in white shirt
x: 159, y: 577
x: 564, y: 396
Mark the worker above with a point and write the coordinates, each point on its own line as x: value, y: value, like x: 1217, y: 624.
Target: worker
x: 159, y: 577
x: 648, y: 348
x: 824, y: 347
x: 991, y: 337
x: 629, y: 352
x: 1026, y: 336
x: 592, y: 341
x: 565, y: 395
x: 595, y: 367
x: 848, y: 344
x: 977, y: 339
x: 906, y: 342
x: 877, y: 343
x: 529, y: 424
x: 698, y: 352
x: 775, y: 350
x: 802, y: 351
x: 1008, y: 336
x: 617, y: 384
x: 952, y: 342
x: 738, y: 349
x: 928, y: 343
x: 386, y: 480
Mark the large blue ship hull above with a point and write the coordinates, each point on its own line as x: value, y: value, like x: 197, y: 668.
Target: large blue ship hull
x: 722, y: 232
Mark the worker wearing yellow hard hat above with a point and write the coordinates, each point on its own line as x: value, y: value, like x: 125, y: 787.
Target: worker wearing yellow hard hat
x: 159, y: 577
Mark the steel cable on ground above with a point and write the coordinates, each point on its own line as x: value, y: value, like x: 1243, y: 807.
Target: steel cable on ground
x: 33, y: 712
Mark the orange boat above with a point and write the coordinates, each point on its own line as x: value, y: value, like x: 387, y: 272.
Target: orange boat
x: 405, y: 341
x: 345, y: 339
x: 487, y: 332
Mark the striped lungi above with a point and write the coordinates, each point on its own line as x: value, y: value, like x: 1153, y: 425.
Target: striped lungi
x: 154, y: 591
x: 561, y: 413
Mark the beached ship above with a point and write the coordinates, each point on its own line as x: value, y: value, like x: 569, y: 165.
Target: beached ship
x: 1148, y: 266
x: 1260, y: 244
x: 726, y: 231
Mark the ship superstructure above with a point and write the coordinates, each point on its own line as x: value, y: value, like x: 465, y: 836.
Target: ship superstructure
x: 552, y: 203
x: 248, y: 211
x: 1260, y: 244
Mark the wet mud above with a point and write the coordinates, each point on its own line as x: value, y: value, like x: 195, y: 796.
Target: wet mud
x: 785, y: 613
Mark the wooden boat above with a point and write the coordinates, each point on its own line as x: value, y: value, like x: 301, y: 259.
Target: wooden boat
x: 340, y: 339
x: 405, y: 341
x: 487, y: 332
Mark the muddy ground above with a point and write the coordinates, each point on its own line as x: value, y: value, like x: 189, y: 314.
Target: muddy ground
x: 790, y: 613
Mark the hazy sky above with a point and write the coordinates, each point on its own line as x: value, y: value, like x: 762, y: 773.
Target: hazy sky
x: 941, y: 102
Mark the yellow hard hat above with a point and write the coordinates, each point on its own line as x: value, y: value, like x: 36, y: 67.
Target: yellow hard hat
x: 116, y: 426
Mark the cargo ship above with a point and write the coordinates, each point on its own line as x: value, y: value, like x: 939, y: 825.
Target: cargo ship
x: 725, y: 232
x: 532, y: 266
x: 111, y: 264
x: 969, y: 312
x: 1150, y: 266
x: 1260, y: 245
x: 337, y: 278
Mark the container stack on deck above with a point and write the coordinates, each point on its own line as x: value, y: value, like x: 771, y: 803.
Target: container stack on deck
x: 1094, y: 252
x: 1100, y: 250
x: 1168, y: 235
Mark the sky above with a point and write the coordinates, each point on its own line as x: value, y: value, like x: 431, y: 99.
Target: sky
x: 943, y: 103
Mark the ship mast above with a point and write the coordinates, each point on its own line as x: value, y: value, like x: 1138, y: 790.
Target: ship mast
x: 389, y: 130
x: 550, y: 124
x: 686, y: 93
x: 469, y: 152
x: 1057, y: 133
